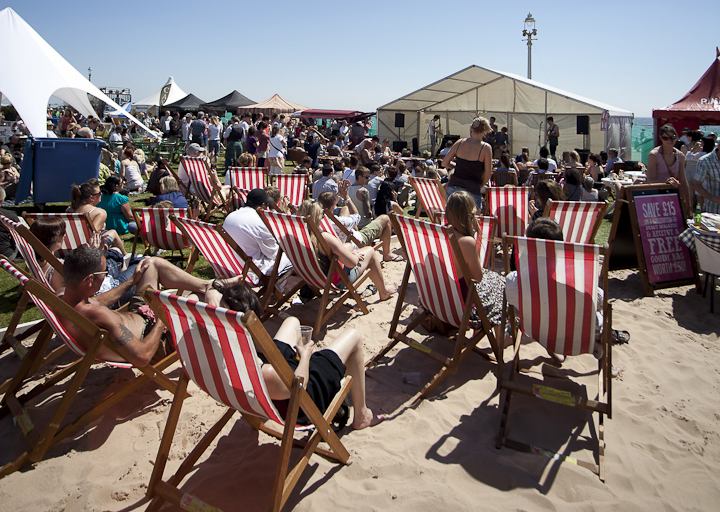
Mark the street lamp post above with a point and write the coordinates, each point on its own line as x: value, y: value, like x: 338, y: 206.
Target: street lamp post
x: 89, y: 74
x: 529, y: 32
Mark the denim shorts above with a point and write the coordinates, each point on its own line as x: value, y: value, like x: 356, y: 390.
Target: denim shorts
x: 478, y: 199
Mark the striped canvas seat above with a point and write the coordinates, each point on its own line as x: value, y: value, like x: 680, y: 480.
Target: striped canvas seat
x: 217, y: 349
x: 223, y: 254
x: 79, y: 229
x: 293, y: 235
x: 23, y: 238
x: 56, y: 429
x: 510, y: 206
x: 485, y: 237
x: 156, y: 230
x: 558, y: 287
x: 205, y: 188
x: 246, y: 178
x: 432, y: 256
x: 502, y: 178
x: 431, y: 195
x: 293, y: 186
x: 579, y: 220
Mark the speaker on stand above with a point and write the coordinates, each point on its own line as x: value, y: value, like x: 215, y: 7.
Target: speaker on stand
x: 583, y: 128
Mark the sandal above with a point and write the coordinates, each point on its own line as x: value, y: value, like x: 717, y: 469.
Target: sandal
x: 369, y: 291
x: 620, y: 337
x: 395, y: 257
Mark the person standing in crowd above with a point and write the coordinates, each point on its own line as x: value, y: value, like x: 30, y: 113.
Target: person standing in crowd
x: 214, y: 131
x: 553, y: 136
x: 276, y: 150
x: 707, y: 181
x: 233, y: 136
x: 435, y: 130
x: 666, y: 164
x: 198, y: 130
x: 185, y: 128
x: 472, y: 162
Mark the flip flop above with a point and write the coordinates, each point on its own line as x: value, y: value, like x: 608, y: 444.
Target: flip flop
x: 395, y: 257
x: 369, y: 291
x: 620, y: 337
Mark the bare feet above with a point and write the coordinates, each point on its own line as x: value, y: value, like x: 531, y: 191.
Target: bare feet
x: 367, y: 418
x: 390, y: 290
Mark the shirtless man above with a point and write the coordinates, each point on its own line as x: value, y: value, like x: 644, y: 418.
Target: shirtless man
x: 136, y: 335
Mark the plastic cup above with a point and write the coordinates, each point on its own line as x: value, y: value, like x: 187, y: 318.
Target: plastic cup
x: 305, y: 332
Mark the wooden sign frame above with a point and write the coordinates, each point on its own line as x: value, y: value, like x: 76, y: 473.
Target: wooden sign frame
x: 625, y: 234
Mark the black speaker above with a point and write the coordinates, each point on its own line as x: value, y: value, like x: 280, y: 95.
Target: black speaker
x: 399, y: 120
x: 399, y: 145
x: 415, y: 150
x: 583, y: 125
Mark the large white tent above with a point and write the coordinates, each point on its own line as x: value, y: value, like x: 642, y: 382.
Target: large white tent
x: 516, y: 102
x: 33, y: 71
x: 174, y: 93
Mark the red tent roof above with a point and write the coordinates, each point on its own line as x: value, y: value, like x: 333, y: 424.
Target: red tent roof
x: 701, y: 105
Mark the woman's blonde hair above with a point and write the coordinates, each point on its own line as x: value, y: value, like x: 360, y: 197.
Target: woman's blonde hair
x: 245, y: 160
x: 480, y: 125
x: 168, y: 185
x: 460, y: 213
x: 574, y: 156
x: 315, y: 211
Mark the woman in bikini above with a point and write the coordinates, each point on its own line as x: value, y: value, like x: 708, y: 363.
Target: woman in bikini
x: 473, y: 162
x: 666, y: 164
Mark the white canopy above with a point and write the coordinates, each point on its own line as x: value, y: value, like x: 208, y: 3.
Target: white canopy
x: 520, y: 104
x: 174, y: 94
x: 34, y: 71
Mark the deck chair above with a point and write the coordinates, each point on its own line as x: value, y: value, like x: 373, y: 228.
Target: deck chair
x: 155, y: 229
x: 206, y: 188
x: 293, y: 186
x: 542, y: 176
x: 293, y: 235
x: 510, y: 206
x: 218, y: 351
x: 246, y: 178
x: 41, y: 438
x: 502, y: 178
x: 27, y: 245
x: 296, y: 155
x: 485, y: 237
x: 579, y: 220
x: 79, y: 229
x: 182, y: 186
x: 558, y: 276
x: 431, y: 196
x: 432, y: 256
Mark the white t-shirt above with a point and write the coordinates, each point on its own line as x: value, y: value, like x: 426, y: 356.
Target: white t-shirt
x: 551, y: 164
x: 245, y: 128
x: 214, y: 132
x: 275, y: 146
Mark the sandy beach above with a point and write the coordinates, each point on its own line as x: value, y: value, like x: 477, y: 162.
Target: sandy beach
x: 663, y: 449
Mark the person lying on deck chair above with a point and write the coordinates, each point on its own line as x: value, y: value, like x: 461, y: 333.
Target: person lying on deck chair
x: 135, y: 334
x: 321, y: 370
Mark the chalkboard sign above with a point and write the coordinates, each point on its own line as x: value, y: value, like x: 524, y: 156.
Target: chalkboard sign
x: 656, y: 217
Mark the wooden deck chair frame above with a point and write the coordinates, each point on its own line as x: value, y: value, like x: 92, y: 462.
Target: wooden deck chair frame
x: 284, y: 482
x: 538, y: 388
x: 158, y: 235
x: 350, y: 237
x: 57, y: 429
x: 293, y: 186
x: 207, y: 188
x: 498, y: 200
x: 446, y: 305
x: 431, y: 196
x: 502, y: 178
x: 79, y: 228
x: 27, y: 245
x: 305, y: 264
x: 579, y: 220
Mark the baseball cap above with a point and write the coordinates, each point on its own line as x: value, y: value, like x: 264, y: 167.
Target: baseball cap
x: 194, y: 148
x: 257, y: 197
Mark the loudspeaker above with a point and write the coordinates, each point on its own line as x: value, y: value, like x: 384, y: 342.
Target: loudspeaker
x: 399, y: 120
x: 399, y: 145
x: 583, y: 125
x: 415, y: 150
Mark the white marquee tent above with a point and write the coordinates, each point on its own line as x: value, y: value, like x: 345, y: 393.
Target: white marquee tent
x: 174, y: 94
x: 516, y: 102
x: 34, y: 71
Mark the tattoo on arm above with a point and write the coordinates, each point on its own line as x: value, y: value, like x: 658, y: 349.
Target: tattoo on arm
x: 124, y: 338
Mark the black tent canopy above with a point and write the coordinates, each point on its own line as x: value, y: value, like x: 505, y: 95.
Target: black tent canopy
x: 228, y: 103
x: 189, y: 102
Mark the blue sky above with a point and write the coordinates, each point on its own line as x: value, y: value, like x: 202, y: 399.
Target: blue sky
x: 359, y: 56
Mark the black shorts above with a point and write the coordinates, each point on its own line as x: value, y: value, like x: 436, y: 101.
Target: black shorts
x: 326, y: 372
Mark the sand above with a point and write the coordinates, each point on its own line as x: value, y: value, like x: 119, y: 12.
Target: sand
x: 663, y: 450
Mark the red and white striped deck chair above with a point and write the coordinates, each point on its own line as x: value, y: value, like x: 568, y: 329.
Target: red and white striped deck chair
x: 246, y: 178
x: 330, y: 224
x: 56, y: 429
x: 579, y: 220
x: 206, y: 188
x: 558, y: 287
x: 510, y: 206
x: 293, y: 186
x: 432, y: 256
x: 155, y: 229
x: 485, y: 238
x: 218, y: 351
x: 223, y: 254
x: 79, y: 229
x: 432, y: 196
x: 27, y: 245
x: 293, y: 235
